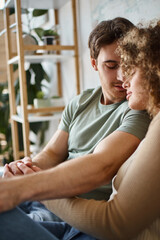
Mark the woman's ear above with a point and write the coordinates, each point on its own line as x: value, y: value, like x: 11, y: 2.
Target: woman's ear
x: 94, y: 63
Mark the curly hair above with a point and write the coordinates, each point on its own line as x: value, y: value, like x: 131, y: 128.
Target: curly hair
x: 107, y: 32
x: 140, y: 48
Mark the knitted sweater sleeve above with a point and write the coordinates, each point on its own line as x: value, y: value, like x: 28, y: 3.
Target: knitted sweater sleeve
x: 136, y: 205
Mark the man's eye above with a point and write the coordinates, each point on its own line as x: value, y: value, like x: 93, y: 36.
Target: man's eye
x: 112, y: 65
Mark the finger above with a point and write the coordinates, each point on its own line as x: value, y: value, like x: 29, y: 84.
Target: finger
x: 36, y: 169
x: 6, y: 172
x: 14, y: 169
x: 24, y: 169
x: 27, y: 161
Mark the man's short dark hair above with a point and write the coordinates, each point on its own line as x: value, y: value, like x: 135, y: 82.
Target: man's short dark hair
x: 107, y: 32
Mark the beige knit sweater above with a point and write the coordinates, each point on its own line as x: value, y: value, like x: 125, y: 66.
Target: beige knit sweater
x: 134, y: 213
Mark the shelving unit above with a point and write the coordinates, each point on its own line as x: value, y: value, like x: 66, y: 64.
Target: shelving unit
x: 29, y: 115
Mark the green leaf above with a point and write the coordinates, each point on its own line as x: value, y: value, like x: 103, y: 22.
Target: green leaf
x: 39, y: 32
x: 39, y: 12
x: 50, y: 32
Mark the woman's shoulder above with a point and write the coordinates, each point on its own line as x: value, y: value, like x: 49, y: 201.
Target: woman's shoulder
x: 154, y: 126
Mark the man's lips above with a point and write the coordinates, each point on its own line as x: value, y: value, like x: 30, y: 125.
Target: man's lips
x: 128, y: 95
x: 119, y: 87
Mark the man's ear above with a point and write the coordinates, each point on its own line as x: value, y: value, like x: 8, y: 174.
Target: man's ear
x: 94, y: 63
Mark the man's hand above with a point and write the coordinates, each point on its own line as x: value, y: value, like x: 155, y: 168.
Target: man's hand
x: 20, y: 167
x: 13, y: 166
x: 6, y: 172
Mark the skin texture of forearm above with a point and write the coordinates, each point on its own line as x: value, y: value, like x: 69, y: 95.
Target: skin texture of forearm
x: 76, y: 183
x: 55, y: 152
x: 45, y: 160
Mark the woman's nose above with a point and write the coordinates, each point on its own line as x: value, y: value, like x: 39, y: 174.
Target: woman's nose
x: 125, y: 84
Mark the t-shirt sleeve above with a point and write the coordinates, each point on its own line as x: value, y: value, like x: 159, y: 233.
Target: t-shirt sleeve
x: 135, y: 122
x: 68, y: 114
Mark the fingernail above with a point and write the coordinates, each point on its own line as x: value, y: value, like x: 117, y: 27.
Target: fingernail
x: 19, y: 164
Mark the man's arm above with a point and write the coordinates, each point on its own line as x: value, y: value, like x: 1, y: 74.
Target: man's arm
x: 55, y: 152
x: 83, y: 174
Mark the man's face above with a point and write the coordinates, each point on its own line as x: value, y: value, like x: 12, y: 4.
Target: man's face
x: 107, y: 65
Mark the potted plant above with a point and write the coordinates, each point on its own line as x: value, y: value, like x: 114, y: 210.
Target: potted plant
x: 50, y: 36
x: 41, y: 101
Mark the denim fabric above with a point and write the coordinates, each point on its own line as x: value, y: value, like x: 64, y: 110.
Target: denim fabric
x: 15, y: 224
x: 64, y: 231
x: 38, y: 212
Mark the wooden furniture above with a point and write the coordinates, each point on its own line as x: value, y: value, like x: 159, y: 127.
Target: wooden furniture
x: 20, y: 58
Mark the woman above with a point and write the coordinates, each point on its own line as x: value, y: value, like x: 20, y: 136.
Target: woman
x: 134, y: 211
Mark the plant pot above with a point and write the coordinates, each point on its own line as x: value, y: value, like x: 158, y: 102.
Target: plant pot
x: 42, y: 103
x: 49, y: 102
x: 49, y: 40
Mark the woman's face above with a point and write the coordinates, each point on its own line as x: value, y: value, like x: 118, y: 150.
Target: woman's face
x: 137, y: 95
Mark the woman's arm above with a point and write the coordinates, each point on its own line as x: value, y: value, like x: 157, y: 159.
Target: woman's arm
x: 135, y: 206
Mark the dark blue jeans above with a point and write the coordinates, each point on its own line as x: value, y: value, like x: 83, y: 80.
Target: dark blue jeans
x: 15, y: 224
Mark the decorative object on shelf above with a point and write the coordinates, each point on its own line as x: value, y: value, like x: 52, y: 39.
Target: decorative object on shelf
x: 42, y: 102
x: 28, y: 39
x: 48, y: 36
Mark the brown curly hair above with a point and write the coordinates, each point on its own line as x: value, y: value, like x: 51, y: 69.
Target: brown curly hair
x: 141, y: 48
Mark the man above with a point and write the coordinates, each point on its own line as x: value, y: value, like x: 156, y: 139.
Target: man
x: 97, y: 133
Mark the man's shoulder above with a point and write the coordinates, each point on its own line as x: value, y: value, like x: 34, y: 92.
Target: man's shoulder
x: 81, y: 100
x: 88, y: 94
x: 91, y: 91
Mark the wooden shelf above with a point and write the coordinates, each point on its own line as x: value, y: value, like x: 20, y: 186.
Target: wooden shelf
x: 40, y: 58
x: 34, y: 118
x: 56, y: 4
x: 53, y: 53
